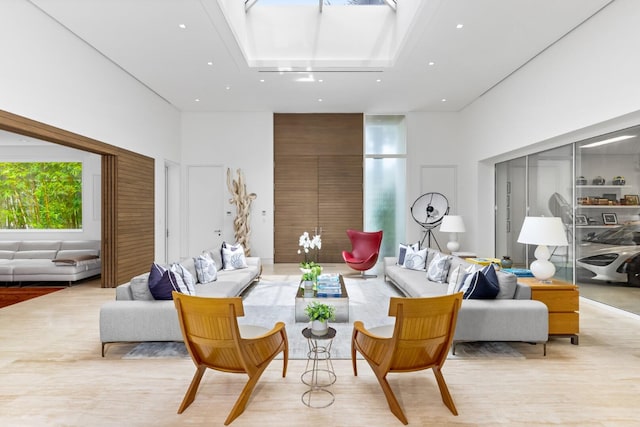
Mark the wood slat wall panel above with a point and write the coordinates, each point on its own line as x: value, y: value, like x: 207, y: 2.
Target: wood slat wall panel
x: 317, y: 181
x: 128, y: 205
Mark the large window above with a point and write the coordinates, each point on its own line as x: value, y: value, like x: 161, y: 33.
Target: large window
x: 385, y: 179
x: 40, y: 195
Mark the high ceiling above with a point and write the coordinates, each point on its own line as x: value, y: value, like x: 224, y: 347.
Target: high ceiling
x: 205, y: 66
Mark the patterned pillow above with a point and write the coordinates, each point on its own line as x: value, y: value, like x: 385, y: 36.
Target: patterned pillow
x: 205, y: 268
x: 439, y: 268
x: 466, y: 280
x: 186, y: 282
x: 402, y: 251
x: 233, y: 256
x: 415, y: 260
x: 162, y: 282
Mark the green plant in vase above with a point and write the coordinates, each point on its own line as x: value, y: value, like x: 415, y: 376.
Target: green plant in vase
x: 319, y: 315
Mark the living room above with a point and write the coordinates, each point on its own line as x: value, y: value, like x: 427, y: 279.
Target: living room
x: 569, y: 92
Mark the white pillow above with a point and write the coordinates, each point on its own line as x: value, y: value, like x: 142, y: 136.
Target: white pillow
x: 205, y: 268
x: 415, y: 259
x: 187, y: 279
x: 233, y: 257
x: 439, y: 268
x: 455, y: 279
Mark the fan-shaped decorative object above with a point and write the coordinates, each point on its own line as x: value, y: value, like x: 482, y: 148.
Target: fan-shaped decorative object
x: 428, y: 211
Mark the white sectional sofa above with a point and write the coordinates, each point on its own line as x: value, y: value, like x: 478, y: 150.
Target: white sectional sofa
x: 135, y: 316
x: 49, y: 260
x: 512, y: 316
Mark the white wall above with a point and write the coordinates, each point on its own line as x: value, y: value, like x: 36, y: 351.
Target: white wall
x: 91, y: 166
x: 49, y: 75
x: 236, y: 141
x: 585, y: 85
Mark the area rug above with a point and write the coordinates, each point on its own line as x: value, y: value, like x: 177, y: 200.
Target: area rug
x: 268, y: 302
x: 10, y: 296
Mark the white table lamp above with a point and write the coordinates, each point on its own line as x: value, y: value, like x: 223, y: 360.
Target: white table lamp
x: 452, y: 224
x: 544, y: 232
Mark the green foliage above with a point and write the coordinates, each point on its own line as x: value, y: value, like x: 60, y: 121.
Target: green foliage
x: 308, y: 277
x: 41, y: 195
x: 319, y: 311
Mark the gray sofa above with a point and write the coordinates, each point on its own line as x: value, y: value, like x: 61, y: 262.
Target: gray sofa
x: 49, y: 260
x: 135, y: 316
x: 512, y: 316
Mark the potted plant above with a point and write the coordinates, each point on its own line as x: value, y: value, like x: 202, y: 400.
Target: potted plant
x: 320, y: 314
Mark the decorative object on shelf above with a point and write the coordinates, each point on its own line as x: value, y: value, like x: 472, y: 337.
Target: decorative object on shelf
x: 581, y: 180
x: 308, y: 287
x: 506, y: 262
x: 609, y: 218
x: 319, y: 315
x: 631, y: 199
x: 619, y: 180
x: 308, y: 244
x: 242, y: 200
x: 544, y: 232
x: 581, y: 220
x: 611, y: 197
x: 598, y: 180
x: 452, y: 224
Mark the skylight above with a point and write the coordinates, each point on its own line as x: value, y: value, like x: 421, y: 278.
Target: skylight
x: 320, y: 3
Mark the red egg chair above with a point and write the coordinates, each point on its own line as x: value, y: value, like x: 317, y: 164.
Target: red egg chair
x: 364, y: 253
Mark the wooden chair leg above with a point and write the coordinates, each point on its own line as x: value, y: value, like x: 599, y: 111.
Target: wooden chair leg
x: 241, y: 403
x: 193, y: 388
x: 444, y: 390
x: 353, y: 354
x: 394, y: 406
x: 285, y: 355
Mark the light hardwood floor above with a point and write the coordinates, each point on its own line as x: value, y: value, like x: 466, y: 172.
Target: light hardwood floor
x: 51, y: 374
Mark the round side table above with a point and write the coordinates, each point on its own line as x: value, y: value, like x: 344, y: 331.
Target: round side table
x: 319, y: 373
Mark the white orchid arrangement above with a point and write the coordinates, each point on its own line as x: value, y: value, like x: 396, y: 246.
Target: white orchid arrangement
x: 309, y: 243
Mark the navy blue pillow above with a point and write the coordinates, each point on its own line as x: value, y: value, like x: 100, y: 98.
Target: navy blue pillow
x: 481, y: 287
x: 490, y: 273
x: 162, y: 282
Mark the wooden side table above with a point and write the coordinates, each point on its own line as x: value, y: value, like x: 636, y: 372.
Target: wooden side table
x: 562, y: 301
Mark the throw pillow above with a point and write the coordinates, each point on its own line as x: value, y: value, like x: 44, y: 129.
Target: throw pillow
x: 455, y: 279
x: 162, y: 282
x: 233, y: 257
x: 439, y: 268
x: 508, y: 285
x: 466, y: 280
x: 140, y: 288
x: 205, y: 268
x: 402, y: 251
x: 185, y: 280
x: 484, y: 284
x: 415, y: 259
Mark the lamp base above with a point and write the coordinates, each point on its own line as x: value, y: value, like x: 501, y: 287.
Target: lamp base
x: 453, y: 246
x: 543, y: 270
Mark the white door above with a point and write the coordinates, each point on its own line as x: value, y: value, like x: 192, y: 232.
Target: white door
x: 205, y: 208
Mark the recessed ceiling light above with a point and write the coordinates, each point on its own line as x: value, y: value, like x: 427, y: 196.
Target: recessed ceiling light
x: 459, y: 26
x: 197, y: 100
x: 210, y: 63
x: 431, y: 63
x: 443, y: 100
x: 319, y: 99
x: 320, y: 80
x: 227, y: 87
x: 261, y: 80
x: 378, y: 80
x: 182, y: 26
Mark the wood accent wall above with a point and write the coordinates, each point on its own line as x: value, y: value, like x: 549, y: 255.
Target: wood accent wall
x: 128, y: 194
x: 318, y: 181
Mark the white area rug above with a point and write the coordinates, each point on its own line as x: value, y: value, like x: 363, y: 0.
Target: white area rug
x: 268, y: 302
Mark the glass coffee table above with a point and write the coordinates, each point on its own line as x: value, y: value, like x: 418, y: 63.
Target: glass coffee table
x: 341, y: 303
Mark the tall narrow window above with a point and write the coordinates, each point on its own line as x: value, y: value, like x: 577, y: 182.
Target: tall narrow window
x: 385, y: 179
x: 40, y: 195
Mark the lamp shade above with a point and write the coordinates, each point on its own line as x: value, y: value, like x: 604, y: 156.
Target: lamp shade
x: 542, y: 230
x: 452, y: 224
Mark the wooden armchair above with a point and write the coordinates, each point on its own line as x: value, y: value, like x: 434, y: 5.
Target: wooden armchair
x: 420, y: 339
x: 215, y: 340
